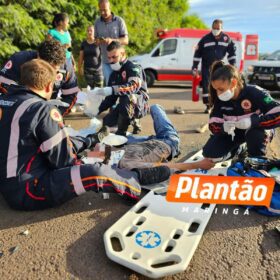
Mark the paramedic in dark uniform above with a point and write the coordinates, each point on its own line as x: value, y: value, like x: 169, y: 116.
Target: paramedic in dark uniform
x: 241, y: 114
x: 213, y: 46
x: 38, y: 164
x: 127, y: 84
x: 54, y: 53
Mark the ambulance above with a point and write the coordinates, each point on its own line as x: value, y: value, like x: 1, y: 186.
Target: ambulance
x: 172, y: 58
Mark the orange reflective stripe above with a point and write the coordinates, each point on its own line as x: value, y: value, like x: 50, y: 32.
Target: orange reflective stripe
x: 109, y: 179
x: 128, y: 88
x: 271, y: 121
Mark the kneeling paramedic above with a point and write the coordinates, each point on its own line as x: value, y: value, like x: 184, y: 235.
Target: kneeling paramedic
x: 127, y: 84
x: 38, y: 164
x: 54, y: 53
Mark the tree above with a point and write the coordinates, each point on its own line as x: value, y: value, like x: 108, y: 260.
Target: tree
x: 24, y: 24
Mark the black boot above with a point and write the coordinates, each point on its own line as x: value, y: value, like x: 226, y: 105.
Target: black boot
x: 98, y: 137
x: 136, y: 126
x: 123, y: 124
x: 241, y: 154
x: 207, y: 110
x: 153, y: 175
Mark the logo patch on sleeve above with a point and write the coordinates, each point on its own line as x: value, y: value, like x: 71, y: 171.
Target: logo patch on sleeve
x: 268, y: 99
x: 8, y: 65
x: 246, y: 104
x: 123, y: 75
x: 59, y: 77
x: 136, y: 70
x: 55, y: 115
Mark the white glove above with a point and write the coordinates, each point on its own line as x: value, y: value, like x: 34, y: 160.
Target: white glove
x: 133, y: 98
x: 194, y: 72
x: 106, y: 91
x: 229, y: 128
x: 244, y: 123
x: 92, y: 103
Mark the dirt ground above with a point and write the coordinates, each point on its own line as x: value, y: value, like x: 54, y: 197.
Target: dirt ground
x: 67, y: 242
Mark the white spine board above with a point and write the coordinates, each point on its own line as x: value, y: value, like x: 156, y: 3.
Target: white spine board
x: 156, y: 237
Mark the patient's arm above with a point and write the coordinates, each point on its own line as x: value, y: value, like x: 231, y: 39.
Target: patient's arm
x: 202, y: 164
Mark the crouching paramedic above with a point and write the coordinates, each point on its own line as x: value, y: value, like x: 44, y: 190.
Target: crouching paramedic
x: 241, y: 114
x: 54, y: 53
x: 127, y: 84
x: 38, y: 162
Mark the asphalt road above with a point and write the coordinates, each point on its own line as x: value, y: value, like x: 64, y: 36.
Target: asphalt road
x: 67, y: 242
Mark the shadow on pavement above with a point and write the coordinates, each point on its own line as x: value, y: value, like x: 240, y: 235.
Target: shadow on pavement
x: 178, y: 85
x: 188, y: 131
x: 76, y: 116
x: 10, y: 218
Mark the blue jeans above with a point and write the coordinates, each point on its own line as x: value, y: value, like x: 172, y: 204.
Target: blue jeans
x: 107, y: 71
x: 164, y: 130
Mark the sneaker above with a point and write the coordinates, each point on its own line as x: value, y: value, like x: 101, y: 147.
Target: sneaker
x: 153, y: 175
x: 179, y: 110
x: 104, y: 131
x: 136, y: 130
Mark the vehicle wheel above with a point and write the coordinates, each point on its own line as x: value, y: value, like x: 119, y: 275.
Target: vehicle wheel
x: 150, y: 77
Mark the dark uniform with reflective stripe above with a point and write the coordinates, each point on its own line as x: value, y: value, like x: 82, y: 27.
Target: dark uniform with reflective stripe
x: 128, y: 83
x: 66, y: 79
x: 208, y: 50
x: 253, y: 102
x: 38, y: 163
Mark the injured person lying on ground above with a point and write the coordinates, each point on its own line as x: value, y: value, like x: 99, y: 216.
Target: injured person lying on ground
x: 149, y: 151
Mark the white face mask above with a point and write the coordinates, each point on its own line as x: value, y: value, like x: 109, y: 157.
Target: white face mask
x: 216, y: 32
x: 226, y: 96
x: 116, y: 66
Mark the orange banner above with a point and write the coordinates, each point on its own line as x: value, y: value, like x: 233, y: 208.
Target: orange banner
x: 220, y: 190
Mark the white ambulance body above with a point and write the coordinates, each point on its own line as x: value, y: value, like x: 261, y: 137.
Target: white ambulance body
x: 172, y: 57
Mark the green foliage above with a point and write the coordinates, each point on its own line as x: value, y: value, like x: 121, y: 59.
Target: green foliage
x: 24, y: 24
x: 193, y: 21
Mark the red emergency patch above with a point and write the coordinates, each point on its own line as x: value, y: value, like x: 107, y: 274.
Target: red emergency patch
x: 8, y: 65
x: 246, y: 104
x: 59, y: 77
x: 225, y: 38
x: 124, y: 75
x: 55, y: 115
